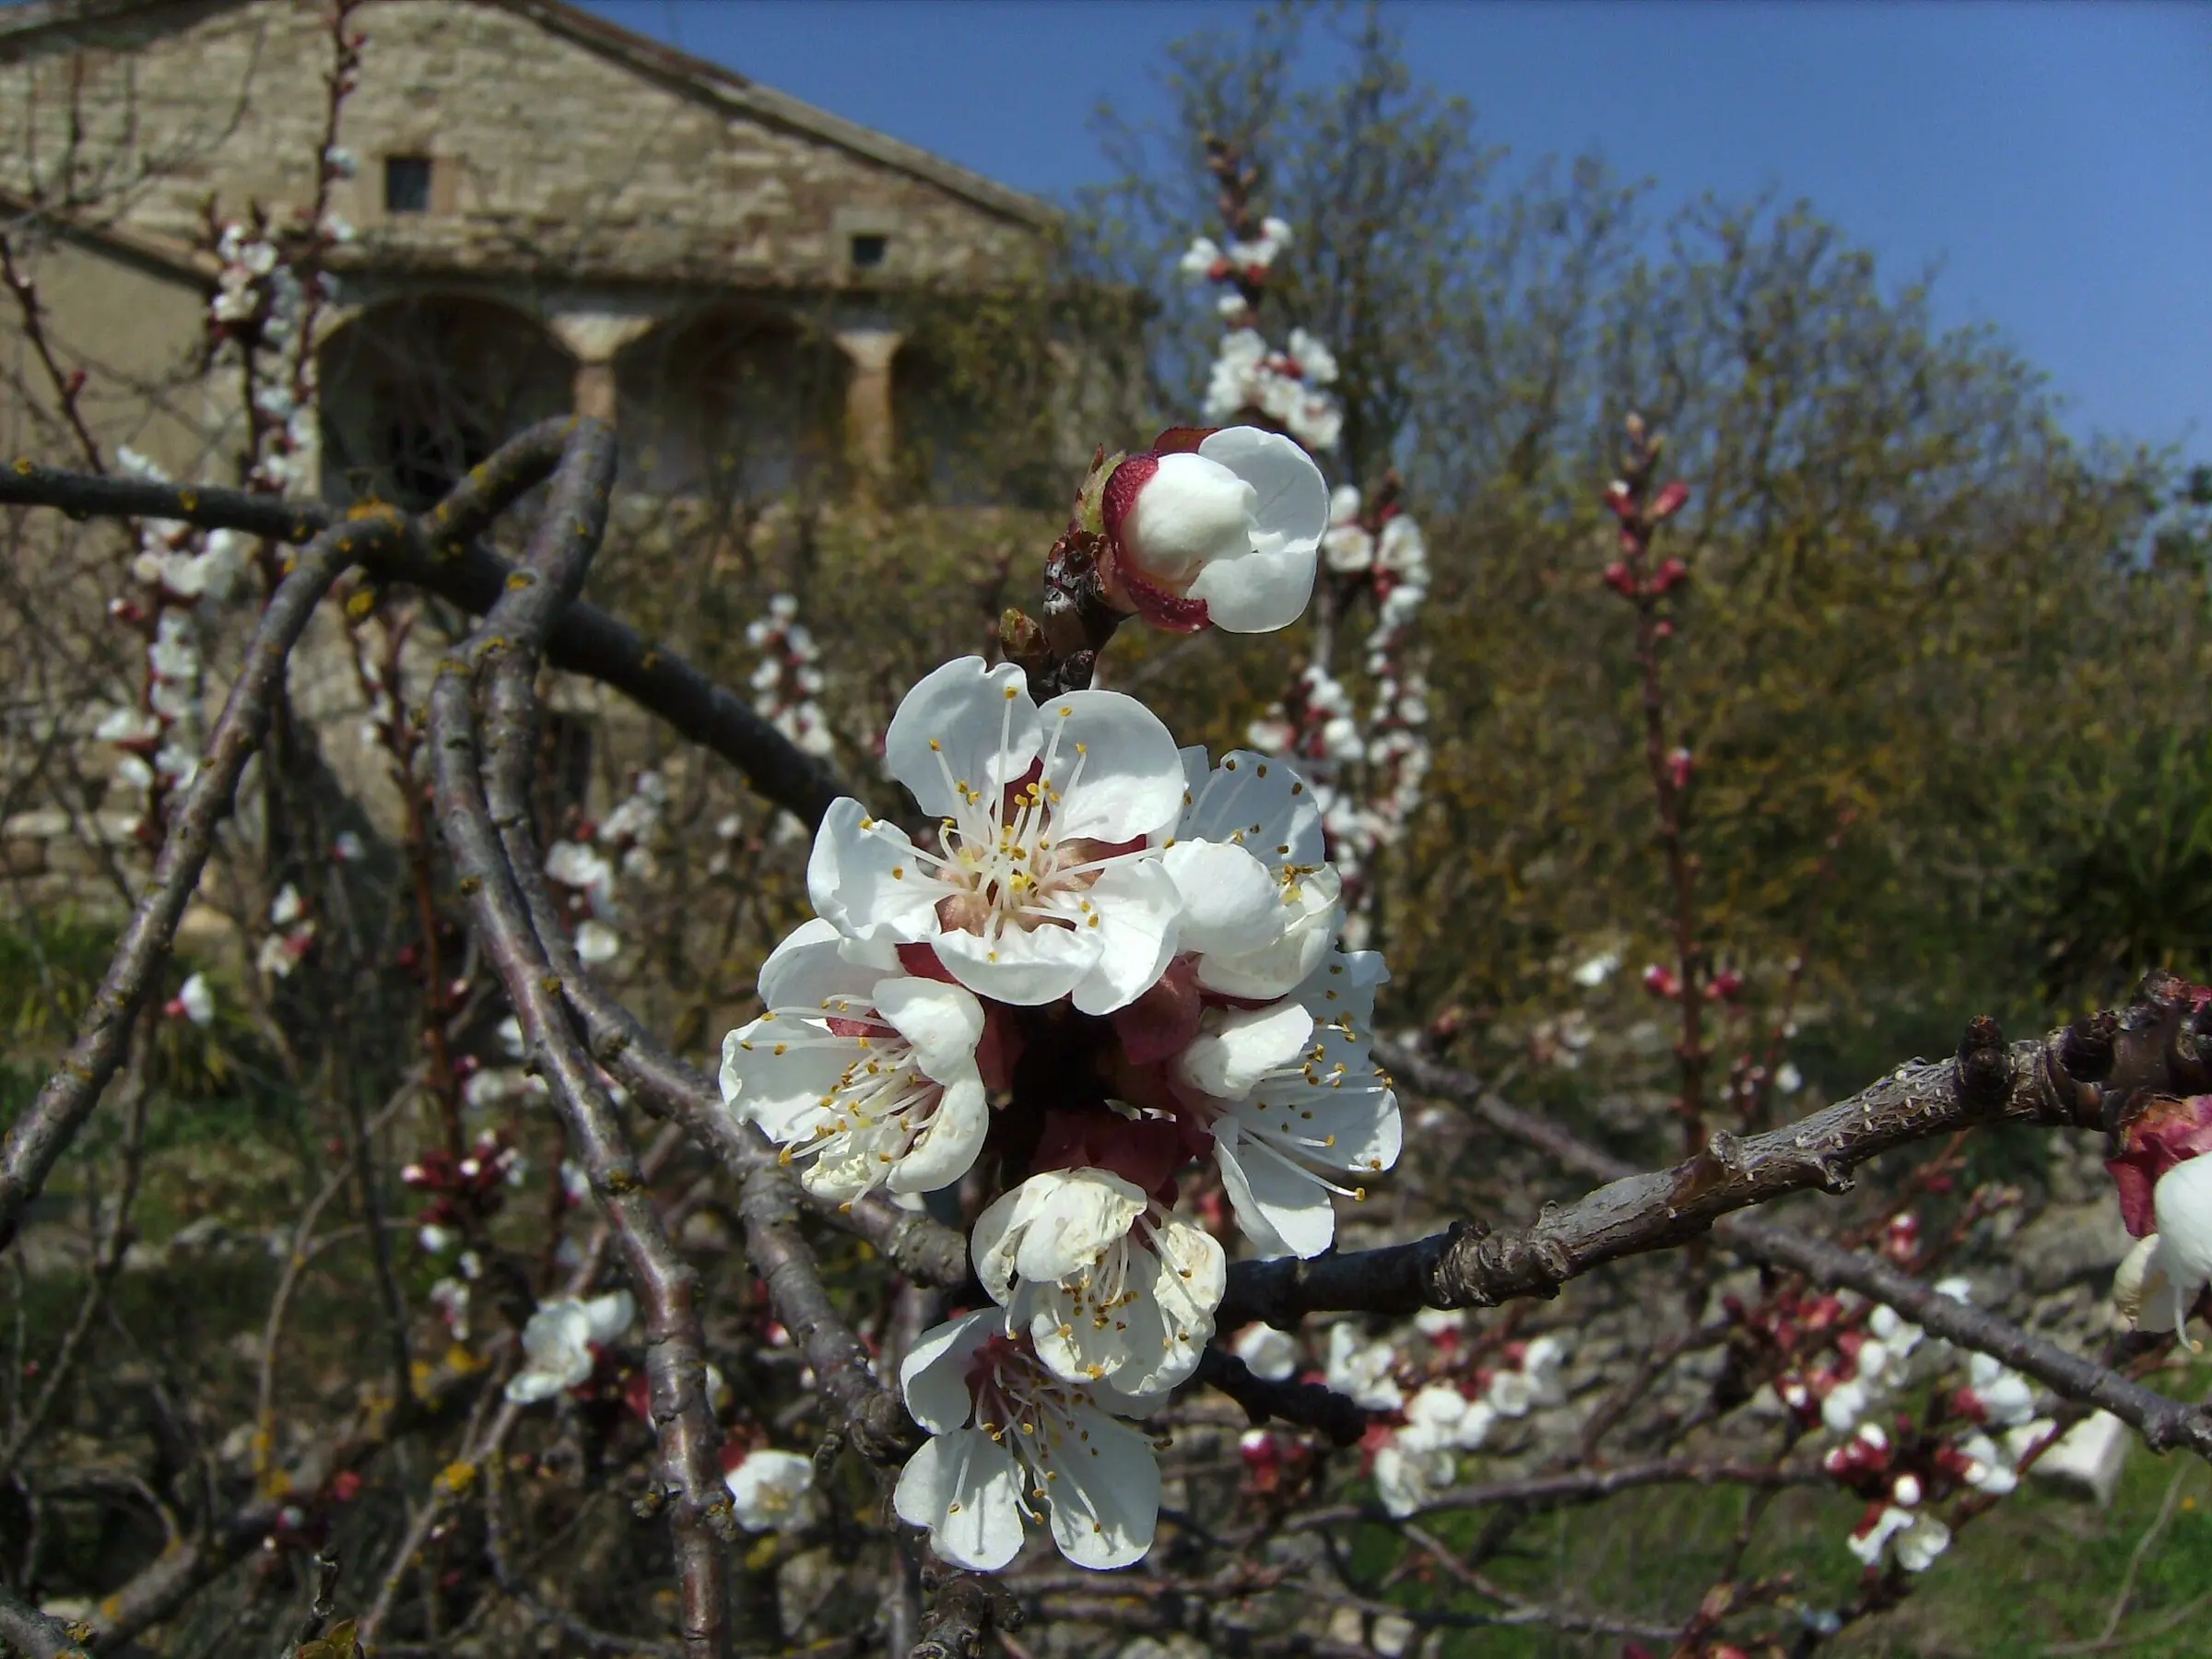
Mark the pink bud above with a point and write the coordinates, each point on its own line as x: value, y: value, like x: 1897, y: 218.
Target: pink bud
x: 1726, y: 985
x: 1661, y: 982
x: 1620, y: 497
x: 1619, y: 579
x: 1670, y: 501
x: 1900, y: 1239
x: 1663, y: 630
x: 1679, y: 767
x: 1669, y: 575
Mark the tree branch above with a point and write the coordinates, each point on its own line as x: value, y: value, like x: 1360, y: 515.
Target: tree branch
x: 444, y: 560
x: 560, y: 553
x: 45, y: 1130
x: 1308, y: 1405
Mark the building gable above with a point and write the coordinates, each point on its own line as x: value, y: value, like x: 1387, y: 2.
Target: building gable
x: 541, y: 138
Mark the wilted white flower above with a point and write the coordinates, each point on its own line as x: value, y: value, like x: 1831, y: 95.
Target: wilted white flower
x: 773, y: 1492
x: 559, y: 1339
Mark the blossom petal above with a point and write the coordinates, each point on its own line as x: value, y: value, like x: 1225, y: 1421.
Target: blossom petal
x: 1080, y: 1213
x: 1307, y: 919
x: 965, y: 1488
x: 808, y: 968
x: 2182, y: 1203
x: 1281, y: 1209
x: 943, y: 1022
x: 1105, y: 1506
x: 606, y: 1317
x: 778, y: 1084
x: 1230, y: 901
x: 1240, y: 1047
x: 933, y: 1375
x: 1262, y: 803
x: 984, y: 726
x: 947, y: 1148
x: 1256, y: 593
x: 1115, y: 764
x: 1341, y: 989
x: 1027, y: 967
x: 1139, y: 909
x: 866, y: 879
x: 1293, y: 498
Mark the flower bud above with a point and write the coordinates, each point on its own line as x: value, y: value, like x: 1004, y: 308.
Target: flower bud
x: 1662, y: 982
x: 1900, y: 1239
x: 1218, y: 527
x: 1620, y: 579
x: 1669, y: 500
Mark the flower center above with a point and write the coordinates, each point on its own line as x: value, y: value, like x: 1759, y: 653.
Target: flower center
x: 1002, y: 856
x: 1016, y: 1397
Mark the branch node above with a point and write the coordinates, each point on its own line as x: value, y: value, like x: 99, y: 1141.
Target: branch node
x: 1985, y: 1074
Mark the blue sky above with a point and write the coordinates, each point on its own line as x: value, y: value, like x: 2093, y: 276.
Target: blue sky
x: 2055, y: 158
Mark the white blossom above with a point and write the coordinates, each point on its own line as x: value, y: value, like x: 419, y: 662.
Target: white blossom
x: 1107, y: 1283
x: 1040, y: 885
x: 1293, y: 1108
x: 1916, y: 1539
x: 1269, y: 1353
x: 1009, y: 1436
x: 1254, y: 933
x: 865, y: 1072
x: 2179, y: 1266
x: 773, y: 1492
x: 1233, y: 526
x: 557, y: 1342
x: 1362, y: 1370
x: 196, y: 1000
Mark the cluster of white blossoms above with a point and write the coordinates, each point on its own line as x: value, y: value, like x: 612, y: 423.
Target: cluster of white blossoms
x: 263, y: 304
x: 1901, y: 1478
x: 179, y: 571
x: 291, y: 934
x: 590, y: 865
x: 1370, y: 776
x: 1437, y: 1405
x: 1289, y: 387
x: 1106, y: 959
x: 788, y: 680
x: 562, y: 1341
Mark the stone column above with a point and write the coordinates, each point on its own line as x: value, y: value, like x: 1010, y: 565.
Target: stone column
x: 868, y: 434
x: 595, y: 339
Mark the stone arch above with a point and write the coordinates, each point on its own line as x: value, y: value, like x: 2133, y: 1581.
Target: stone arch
x: 418, y: 389
x: 733, y: 400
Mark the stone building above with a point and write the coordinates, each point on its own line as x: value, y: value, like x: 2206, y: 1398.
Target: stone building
x: 551, y: 212
x: 548, y: 213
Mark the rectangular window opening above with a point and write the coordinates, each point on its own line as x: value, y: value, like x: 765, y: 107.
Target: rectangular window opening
x: 407, y: 183
x: 869, y: 251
